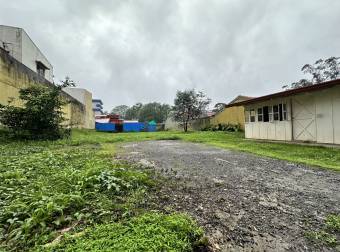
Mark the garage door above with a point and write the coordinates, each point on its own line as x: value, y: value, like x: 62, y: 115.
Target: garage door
x: 303, y: 108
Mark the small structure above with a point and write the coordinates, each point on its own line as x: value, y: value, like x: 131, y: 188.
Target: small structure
x: 97, y: 106
x: 232, y: 113
x: 309, y: 114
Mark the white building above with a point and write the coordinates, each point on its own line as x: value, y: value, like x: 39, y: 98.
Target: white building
x: 20, y: 46
x: 309, y: 114
x: 97, y: 106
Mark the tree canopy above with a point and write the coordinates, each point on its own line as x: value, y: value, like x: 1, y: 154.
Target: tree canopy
x: 120, y: 110
x: 189, y: 105
x: 320, y: 71
x: 148, y: 112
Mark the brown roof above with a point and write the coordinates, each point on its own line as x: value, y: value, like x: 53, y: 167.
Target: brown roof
x: 240, y: 98
x: 312, y: 88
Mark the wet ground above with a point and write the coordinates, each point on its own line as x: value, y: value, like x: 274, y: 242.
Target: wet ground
x: 244, y: 202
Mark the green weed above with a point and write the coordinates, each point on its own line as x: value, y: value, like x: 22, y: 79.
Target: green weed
x: 149, y: 232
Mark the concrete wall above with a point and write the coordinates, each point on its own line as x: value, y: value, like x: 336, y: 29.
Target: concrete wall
x: 23, y: 49
x: 231, y: 115
x: 85, y: 97
x: 14, y: 76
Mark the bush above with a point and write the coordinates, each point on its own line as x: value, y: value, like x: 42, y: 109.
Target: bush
x: 223, y: 127
x: 41, y: 115
x: 148, y: 232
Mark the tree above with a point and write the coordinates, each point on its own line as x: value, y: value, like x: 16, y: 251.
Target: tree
x: 120, y: 110
x: 41, y: 115
x: 154, y: 111
x: 320, y: 71
x: 219, y: 107
x: 133, y: 112
x: 189, y: 105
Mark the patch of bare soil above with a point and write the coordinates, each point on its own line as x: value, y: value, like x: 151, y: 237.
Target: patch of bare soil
x: 244, y: 202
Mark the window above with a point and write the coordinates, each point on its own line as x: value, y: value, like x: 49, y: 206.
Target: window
x: 41, y: 68
x: 284, y: 112
x: 266, y: 114
x: 252, y: 115
x: 276, y: 112
x: 246, y: 115
x: 260, y: 114
x: 270, y: 113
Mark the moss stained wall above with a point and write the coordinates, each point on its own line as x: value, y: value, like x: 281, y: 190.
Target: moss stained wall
x: 14, y: 76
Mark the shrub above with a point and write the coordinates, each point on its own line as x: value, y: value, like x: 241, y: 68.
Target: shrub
x: 223, y: 127
x: 41, y: 115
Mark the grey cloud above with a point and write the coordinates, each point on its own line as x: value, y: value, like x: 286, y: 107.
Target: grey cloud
x: 130, y: 51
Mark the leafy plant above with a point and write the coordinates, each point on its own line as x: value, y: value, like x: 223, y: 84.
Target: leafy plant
x: 41, y: 115
x: 46, y: 187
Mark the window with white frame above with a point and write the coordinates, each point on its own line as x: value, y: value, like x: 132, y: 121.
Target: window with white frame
x: 276, y: 112
x: 246, y: 115
x: 270, y: 113
x: 252, y: 115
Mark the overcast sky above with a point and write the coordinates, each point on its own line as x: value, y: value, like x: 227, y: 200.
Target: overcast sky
x: 129, y: 51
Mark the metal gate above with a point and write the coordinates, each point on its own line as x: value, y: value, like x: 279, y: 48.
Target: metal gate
x: 303, y: 108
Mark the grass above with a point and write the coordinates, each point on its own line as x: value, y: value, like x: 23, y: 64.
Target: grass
x: 59, y: 189
x: 329, y: 235
x: 325, y: 157
x: 51, y: 189
x: 148, y: 232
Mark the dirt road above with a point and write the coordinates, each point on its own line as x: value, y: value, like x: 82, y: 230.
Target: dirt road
x: 244, y: 202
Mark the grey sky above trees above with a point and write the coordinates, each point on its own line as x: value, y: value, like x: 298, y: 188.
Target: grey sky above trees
x: 142, y: 51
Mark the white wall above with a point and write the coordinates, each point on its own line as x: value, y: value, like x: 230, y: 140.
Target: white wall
x: 31, y: 54
x: 274, y: 130
x: 328, y: 115
x: 23, y: 49
x: 313, y: 116
x: 12, y: 37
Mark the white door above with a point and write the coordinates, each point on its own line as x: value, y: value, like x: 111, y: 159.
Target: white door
x: 336, y: 119
x: 303, y: 108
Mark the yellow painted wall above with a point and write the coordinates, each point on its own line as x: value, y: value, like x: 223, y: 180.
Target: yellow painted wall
x: 14, y: 76
x: 231, y: 115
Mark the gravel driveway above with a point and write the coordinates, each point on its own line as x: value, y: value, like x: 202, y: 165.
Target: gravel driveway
x: 244, y: 202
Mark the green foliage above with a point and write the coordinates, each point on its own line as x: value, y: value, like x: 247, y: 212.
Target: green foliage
x: 189, y: 105
x: 120, y: 110
x: 149, y: 232
x: 148, y: 112
x: 320, y: 71
x: 322, y: 238
x: 45, y: 187
x: 330, y: 233
x: 333, y: 222
x: 223, y: 127
x: 325, y: 157
x: 40, y: 117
